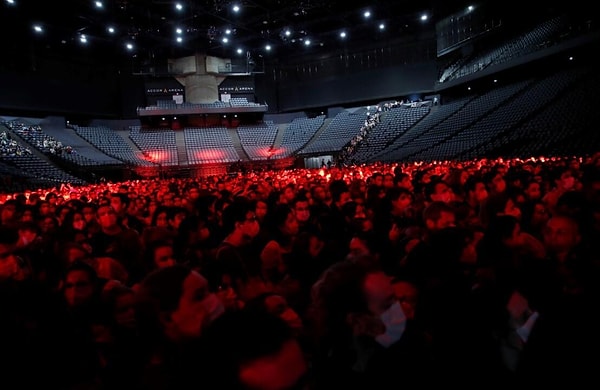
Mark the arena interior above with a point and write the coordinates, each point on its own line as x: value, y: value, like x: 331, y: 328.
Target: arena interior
x: 298, y: 194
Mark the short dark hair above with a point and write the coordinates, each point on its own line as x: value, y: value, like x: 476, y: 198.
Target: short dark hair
x: 236, y: 211
x: 300, y: 197
x: 124, y: 198
x: 84, y: 267
x: 395, y: 192
x: 430, y: 187
x: 337, y: 188
x: 240, y: 337
x: 159, y: 293
x: 471, y: 183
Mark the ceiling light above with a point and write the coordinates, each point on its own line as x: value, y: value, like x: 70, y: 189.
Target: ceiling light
x: 38, y: 28
x: 111, y: 30
x: 307, y: 42
x: 343, y: 34
x: 10, y: 1
x: 240, y: 51
x: 424, y: 17
x: 225, y: 40
x: 228, y: 31
x: 236, y: 8
x: 268, y: 47
x: 382, y: 26
x: 178, y: 6
x: 99, y: 4
x: 179, y: 30
x: 367, y: 14
x: 179, y: 39
x: 83, y: 38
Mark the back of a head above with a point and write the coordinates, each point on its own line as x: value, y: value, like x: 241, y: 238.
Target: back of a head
x: 277, y: 216
x: 337, y: 188
x: 492, y: 247
x: 395, y: 192
x: 447, y: 244
x: 336, y: 294
x: 430, y: 187
x: 82, y: 266
x: 236, y: 340
x: 159, y: 293
x: 235, y: 212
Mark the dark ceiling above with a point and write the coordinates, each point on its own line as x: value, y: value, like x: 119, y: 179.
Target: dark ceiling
x: 150, y: 25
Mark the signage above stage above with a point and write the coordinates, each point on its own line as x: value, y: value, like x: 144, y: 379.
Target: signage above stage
x: 236, y: 89
x: 164, y: 91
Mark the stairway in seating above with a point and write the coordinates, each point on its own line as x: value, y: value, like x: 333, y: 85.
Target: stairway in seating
x: 237, y: 144
x: 317, y: 133
x: 182, y: 156
x: 280, y: 131
x: 125, y: 135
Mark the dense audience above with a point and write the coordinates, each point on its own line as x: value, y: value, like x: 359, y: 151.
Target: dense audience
x: 375, y: 276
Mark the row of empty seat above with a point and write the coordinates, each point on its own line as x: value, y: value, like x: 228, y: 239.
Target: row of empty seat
x: 172, y: 105
x: 209, y: 145
x: 258, y: 140
x: 550, y: 114
x: 111, y: 143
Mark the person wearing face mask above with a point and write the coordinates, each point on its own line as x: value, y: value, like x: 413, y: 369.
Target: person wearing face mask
x: 396, y: 345
x: 564, y: 181
x: 367, y: 338
x: 173, y: 308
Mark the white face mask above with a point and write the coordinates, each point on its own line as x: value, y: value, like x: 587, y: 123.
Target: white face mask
x: 214, y: 307
x: 394, y: 320
x: 27, y: 238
